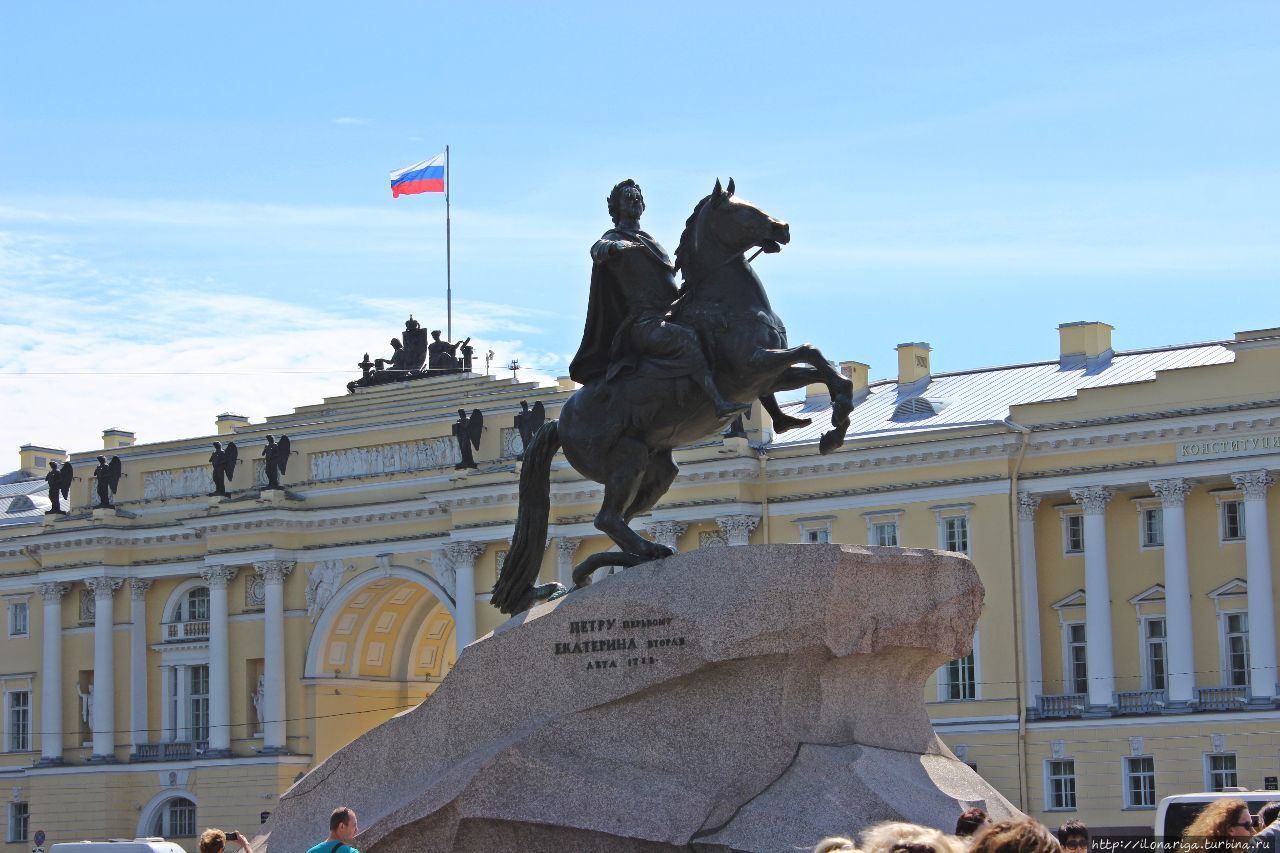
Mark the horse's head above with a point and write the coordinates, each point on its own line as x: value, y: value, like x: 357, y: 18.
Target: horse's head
x: 739, y: 225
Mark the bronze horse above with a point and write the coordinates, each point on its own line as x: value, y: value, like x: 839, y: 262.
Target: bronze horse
x: 621, y: 432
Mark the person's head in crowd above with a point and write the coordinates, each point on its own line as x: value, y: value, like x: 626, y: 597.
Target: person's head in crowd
x: 894, y: 837
x: 1023, y: 835
x: 342, y: 825
x: 1074, y: 835
x: 1267, y: 814
x: 970, y: 821
x: 1222, y: 820
x: 836, y: 844
x: 212, y: 841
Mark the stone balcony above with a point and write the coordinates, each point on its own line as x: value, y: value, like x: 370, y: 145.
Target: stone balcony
x: 184, y: 632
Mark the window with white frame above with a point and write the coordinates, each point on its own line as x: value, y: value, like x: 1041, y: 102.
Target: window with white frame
x: 1140, y: 782
x: 1077, y: 667
x: 1072, y: 533
x: 1154, y: 653
x: 954, y: 533
x: 17, y: 721
x: 198, y: 703
x: 1060, y: 784
x: 1231, y: 520
x: 816, y: 535
x: 1152, y: 527
x: 194, y: 606
x: 19, y: 619
x: 884, y: 533
x: 176, y: 819
x: 1235, y: 648
x: 1220, y: 771
x: 957, y: 680
x: 19, y: 817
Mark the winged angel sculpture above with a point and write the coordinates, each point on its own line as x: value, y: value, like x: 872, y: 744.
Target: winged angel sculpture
x: 107, y: 477
x: 662, y: 367
x: 468, y: 430
x: 223, y: 460
x: 59, y: 480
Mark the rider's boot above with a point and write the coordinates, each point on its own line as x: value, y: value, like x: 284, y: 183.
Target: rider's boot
x: 782, y: 422
x: 724, y: 408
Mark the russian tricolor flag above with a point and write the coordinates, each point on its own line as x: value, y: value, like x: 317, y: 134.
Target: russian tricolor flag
x: 424, y: 177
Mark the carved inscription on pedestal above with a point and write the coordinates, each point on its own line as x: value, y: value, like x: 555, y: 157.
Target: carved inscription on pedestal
x: 612, y: 644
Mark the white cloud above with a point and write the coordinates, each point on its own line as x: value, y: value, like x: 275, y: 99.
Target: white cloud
x: 350, y: 120
x: 82, y: 350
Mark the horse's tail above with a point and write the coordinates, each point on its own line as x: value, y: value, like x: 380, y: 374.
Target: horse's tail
x: 524, y: 557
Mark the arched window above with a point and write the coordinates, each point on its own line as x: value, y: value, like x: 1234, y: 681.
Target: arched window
x: 194, y: 606
x: 176, y: 819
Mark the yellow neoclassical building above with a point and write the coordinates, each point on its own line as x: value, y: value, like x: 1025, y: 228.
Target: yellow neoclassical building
x: 178, y: 662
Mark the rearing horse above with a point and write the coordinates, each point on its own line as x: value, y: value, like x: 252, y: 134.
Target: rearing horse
x: 621, y: 432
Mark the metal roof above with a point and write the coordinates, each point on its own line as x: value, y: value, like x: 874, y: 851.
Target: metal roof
x: 986, y: 396
x: 23, y: 502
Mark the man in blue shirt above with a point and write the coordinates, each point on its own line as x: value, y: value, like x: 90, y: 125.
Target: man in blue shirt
x: 342, y: 829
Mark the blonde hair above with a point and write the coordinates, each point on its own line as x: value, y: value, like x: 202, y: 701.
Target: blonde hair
x: 1214, y: 824
x: 836, y: 844
x: 897, y: 837
x: 212, y: 840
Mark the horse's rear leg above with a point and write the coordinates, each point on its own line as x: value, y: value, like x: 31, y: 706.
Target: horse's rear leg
x: 658, y: 477
x: 628, y: 466
x: 841, y: 399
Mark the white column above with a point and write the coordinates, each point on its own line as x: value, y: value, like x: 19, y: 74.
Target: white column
x: 463, y: 555
x: 273, y: 700
x: 104, y: 674
x: 168, y: 726
x: 219, y: 660
x: 182, y: 678
x: 566, y: 547
x: 667, y: 532
x: 1097, y: 594
x: 1177, y: 591
x: 51, y: 673
x: 138, y: 661
x: 737, y: 528
x: 1032, y: 668
x: 1262, y: 614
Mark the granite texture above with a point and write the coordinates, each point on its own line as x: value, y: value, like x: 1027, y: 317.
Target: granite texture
x: 751, y: 698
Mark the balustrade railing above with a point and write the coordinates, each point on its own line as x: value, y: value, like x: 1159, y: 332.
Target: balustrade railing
x: 178, y: 632
x: 1061, y: 705
x: 1221, y: 698
x: 174, y: 750
x: 1140, y: 701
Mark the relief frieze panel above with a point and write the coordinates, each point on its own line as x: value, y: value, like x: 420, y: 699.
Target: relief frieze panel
x: 384, y: 458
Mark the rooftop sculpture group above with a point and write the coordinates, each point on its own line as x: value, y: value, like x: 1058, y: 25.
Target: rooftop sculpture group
x: 662, y: 366
x: 412, y: 357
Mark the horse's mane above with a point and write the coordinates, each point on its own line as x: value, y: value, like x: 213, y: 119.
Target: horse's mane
x: 685, y: 254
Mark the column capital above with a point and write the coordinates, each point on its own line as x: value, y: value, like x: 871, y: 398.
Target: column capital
x: 1171, y: 492
x: 568, y: 545
x: 219, y: 576
x: 52, y: 591
x: 274, y: 571
x: 1254, y: 484
x: 1094, y: 499
x: 737, y: 524
x: 1027, y: 505
x: 465, y: 552
x: 103, y: 587
x: 666, y: 532
x: 138, y: 588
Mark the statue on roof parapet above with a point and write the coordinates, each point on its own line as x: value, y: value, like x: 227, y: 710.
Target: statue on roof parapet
x: 412, y: 357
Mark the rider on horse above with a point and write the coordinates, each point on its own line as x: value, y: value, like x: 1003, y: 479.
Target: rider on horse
x: 632, y: 288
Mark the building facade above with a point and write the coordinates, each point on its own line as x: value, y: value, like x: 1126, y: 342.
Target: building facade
x: 177, y: 662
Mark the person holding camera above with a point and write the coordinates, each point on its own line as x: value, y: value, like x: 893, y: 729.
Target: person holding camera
x: 214, y: 840
x: 342, y: 831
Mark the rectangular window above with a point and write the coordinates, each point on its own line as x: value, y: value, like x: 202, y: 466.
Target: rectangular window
x: 1077, y: 663
x: 18, y: 721
x: 1236, y: 641
x: 199, y: 703
x: 1232, y: 520
x: 1220, y: 771
x: 955, y: 534
x: 885, y: 533
x: 1073, y: 533
x: 1060, y: 785
x: 959, y: 681
x: 818, y: 535
x: 1153, y: 527
x: 1140, y: 782
x: 18, y: 821
x: 18, y: 619
x: 1155, y: 647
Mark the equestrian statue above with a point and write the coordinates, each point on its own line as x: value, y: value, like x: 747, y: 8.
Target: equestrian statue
x: 661, y: 367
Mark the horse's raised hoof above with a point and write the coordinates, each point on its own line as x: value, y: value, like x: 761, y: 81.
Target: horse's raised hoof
x: 787, y: 423
x: 549, y: 591
x: 831, y: 439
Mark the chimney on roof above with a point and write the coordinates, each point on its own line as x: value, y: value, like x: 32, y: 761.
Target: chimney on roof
x: 229, y: 423
x: 913, y: 363
x: 859, y: 374
x: 34, y: 459
x: 1084, y: 344
x: 114, y: 439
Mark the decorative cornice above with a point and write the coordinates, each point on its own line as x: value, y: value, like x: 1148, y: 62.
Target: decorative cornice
x: 1094, y: 499
x: 103, y: 587
x: 1027, y: 505
x: 274, y: 571
x: 219, y: 576
x: 1254, y: 484
x: 138, y: 588
x: 1171, y: 492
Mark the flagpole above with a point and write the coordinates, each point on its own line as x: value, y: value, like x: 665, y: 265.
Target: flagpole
x: 448, y: 251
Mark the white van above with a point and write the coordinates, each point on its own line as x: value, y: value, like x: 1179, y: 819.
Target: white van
x: 1176, y: 813
x: 117, y: 845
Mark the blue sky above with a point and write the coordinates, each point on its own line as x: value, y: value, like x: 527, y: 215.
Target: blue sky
x: 199, y: 191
